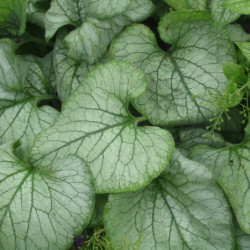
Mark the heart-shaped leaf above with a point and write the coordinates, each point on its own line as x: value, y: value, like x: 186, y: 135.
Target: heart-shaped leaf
x: 183, y: 80
x: 182, y: 209
x: 43, y: 208
x: 69, y: 72
x: 96, y: 125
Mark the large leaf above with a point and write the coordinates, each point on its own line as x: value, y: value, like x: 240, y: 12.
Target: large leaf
x: 23, y: 86
x: 96, y: 22
x: 240, y: 6
x: 43, y: 208
x: 12, y: 17
x: 231, y: 167
x: 182, y: 81
x: 69, y: 72
x: 220, y: 15
x: 182, y: 209
x: 96, y: 124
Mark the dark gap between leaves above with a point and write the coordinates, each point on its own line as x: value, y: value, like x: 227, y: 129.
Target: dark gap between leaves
x: 152, y: 24
x: 55, y: 103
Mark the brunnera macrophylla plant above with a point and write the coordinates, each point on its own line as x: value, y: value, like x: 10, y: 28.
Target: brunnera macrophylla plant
x: 107, y: 122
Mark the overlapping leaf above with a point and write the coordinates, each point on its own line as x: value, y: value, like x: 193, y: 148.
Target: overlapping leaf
x: 237, y: 33
x: 245, y: 49
x: 182, y: 209
x: 97, y: 215
x: 220, y: 15
x: 191, y: 136
x: 97, y: 23
x: 242, y: 239
x: 22, y: 86
x: 231, y: 167
x: 183, y: 81
x: 43, y: 208
x: 96, y: 124
x: 36, y: 10
x: 69, y: 72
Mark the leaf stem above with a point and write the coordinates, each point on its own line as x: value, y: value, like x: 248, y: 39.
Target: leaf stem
x: 140, y: 119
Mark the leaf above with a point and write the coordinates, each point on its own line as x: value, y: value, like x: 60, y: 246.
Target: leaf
x: 182, y: 209
x: 245, y: 49
x: 231, y: 168
x: 240, y: 6
x: 177, y: 5
x: 242, y: 239
x: 96, y: 22
x: 187, y: 4
x: 220, y: 15
x: 43, y: 208
x: 180, y: 81
x: 40, y: 79
x: 235, y: 73
x: 69, y: 72
x: 96, y: 125
x: 97, y: 215
x: 20, y: 118
x: 36, y: 12
x: 12, y: 17
x: 197, y: 4
x: 192, y: 136
x: 24, y: 121
x: 237, y: 33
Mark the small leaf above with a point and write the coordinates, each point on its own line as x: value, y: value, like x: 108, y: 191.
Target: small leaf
x: 43, y: 208
x: 234, y: 72
x: 220, y: 15
x: 40, y: 79
x: 182, y: 209
x: 245, y: 49
x: 237, y: 33
x: 96, y: 125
